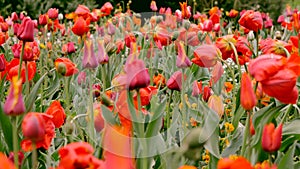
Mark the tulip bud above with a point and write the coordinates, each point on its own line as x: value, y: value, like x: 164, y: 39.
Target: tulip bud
x: 137, y: 74
x: 186, y: 24
x: 102, y: 56
x: 153, y: 6
x: 14, y: 16
x: 271, y: 137
x: 182, y: 60
x: 33, y: 127
x: 207, y: 92
x: 248, y: 98
x: 111, y: 28
x: 20, y: 157
x: 175, y: 35
x: 89, y: 59
x: 207, y: 25
x: 197, y: 88
x: 250, y: 36
x: 96, y: 90
x: 2, y: 62
x: 71, y: 47
x: 81, y: 79
x: 60, y: 16
x: 175, y: 82
x: 43, y: 19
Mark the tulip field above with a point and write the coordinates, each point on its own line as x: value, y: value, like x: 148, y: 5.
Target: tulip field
x: 109, y: 88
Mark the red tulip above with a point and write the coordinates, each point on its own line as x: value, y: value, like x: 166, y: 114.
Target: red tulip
x: 248, y: 98
x: 13, y: 70
x: 65, y: 67
x: 129, y: 38
x: 207, y: 92
x: 145, y: 94
x: 78, y: 154
x: 137, y: 74
x: 4, y: 27
x: 206, y: 55
x: 3, y: 38
x: 31, y: 51
x: 20, y: 157
x: 251, y: 20
x: 26, y: 30
x: 57, y: 112
x: 271, y: 137
x: 14, y: 16
x: 83, y: 11
x: 224, y: 44
x: 233, y: 13
x: 207, y: 25
x: 37, y: 128
x: 14, y: 104
x: 217, y: 72
x: 70, y: 47
x: 2, y: 63
x: 52, y: 13
x: 16, y: 28
x: 175, y: 81
x: 43, y: 20
x: 80, y: 27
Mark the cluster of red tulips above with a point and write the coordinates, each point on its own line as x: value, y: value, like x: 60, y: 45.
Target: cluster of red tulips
x: 98, y: 89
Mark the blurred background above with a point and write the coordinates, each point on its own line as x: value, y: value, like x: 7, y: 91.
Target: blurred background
x: 36, y: 7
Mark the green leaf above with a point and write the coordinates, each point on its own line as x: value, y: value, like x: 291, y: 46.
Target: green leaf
x: 237, y: 116
x: 108, y: 115
x: 30, y: 99
x: 156, y: 120
x: 6, y: 128
x: 211, y: 123
x: 287, y: 161
x: 291, y: 128
x: 212, y: 144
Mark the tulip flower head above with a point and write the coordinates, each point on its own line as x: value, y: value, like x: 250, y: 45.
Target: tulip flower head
x: 58, y: 113
x: 89, y: 59
x: 14, y: 104
x: 248, y: 98
x: 65, y: 67
x: 206, y: 55
x: 26, y: 30
x: 251, y: 20
x: 271, y: 137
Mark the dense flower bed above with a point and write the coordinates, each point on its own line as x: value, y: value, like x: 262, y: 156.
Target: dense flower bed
x: 102, y: 89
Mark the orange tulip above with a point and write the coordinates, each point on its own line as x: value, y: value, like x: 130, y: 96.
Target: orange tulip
x: 5, y: 162
x: 248, y: 98
x: 13, y: 69
x: 187, y: 167
x: 239, y: 162
x: 65, y: 67
x: 80, y: 27
x: 185, y: 10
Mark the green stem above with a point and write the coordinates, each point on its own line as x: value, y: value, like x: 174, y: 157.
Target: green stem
x: 236, y: 59
x: 15, y: 141
x: 286, y: 114
x: 183, y: 112
x: 67, y: 93
x: 257, y: 43
x: 246, y: 135
x: 103, y: 76
x: 141, y: 135
x: 91, y: 111
x: 21, y: 60
x: 168, y: 114
x: 34, y: 156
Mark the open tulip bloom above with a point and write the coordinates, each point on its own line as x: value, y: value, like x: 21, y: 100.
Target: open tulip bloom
x: 107, y: 88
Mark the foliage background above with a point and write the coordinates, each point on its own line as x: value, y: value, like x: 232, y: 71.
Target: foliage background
x: 36, y: 7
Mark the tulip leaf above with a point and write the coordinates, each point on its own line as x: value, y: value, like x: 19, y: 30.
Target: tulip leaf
x: 108, y: 115
x: 156, y: 120
x: 237, y: 116
x: 30, y: 99
x: 291, y: 128
x: 6, y: 128
x: 212, y: 144
x: 287, y: 161
x: 235, y: 143
x: 211, y: 122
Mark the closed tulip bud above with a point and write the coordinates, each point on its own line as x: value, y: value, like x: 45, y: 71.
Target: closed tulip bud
x: 96, y: 90
x: 186, y: 24
x: 52, y: 13
x: 26, y: 30
x: 207, y: 92
x: 81, y: 78
x: 111, y: 28
x: 80, y: 27
x: 33, y: 127
x: 60, y: 16
x: 175, y: 81
x: 16, y: 28
x: 153, y: 6
x: 4, y: 27
x: 2, y: 62
x: 102, y: 56
x: 71, y: 47
x: 14, y: 16
x: 14, y: 104
x: 43, y: 20
x: 248, y: 98
x: 271, y: 137
x: 89, y: 59
x: 175, y: 35
x: 250, y: 36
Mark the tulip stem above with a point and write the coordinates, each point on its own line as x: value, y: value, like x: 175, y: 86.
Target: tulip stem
x: 91, y: 111
x: 286, y: 114
x: 15, y: 141
x: 168, y: 115
x: 246, y: 135
x: 257, y: 43
x: 183, y: 112
x: 236, y: 59
x: 21, y: 60
x: 34, y: 156
x: 27, y: 80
